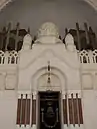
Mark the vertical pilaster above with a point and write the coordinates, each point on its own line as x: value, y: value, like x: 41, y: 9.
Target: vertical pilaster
x: 65, y: 110
x: 33, y: 110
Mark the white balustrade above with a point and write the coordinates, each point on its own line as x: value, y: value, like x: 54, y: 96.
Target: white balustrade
x: 8, y: 57
x: 88, y: 56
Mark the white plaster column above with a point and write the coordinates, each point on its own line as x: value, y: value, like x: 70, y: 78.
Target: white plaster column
x: 64, y: 126
x: 34, y: 110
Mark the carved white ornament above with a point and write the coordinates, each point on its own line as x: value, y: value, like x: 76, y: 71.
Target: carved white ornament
x: 69, y: 39
x: 27, y: 41
x: 48, y: 29
x: 48, y: 34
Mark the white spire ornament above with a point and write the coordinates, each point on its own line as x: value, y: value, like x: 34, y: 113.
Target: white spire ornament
x: 69, y: 40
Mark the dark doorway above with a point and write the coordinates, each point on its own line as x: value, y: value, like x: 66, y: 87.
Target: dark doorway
x: 49, y: 110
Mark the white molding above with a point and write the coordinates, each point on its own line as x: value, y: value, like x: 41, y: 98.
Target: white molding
x: 92, y: 3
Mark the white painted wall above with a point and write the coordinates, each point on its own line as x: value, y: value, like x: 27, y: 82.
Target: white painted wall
x: 90, y: 109
x: 8, y: 109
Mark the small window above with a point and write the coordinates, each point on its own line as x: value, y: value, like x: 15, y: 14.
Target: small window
x: 12, y: 60
x: 84, y: 59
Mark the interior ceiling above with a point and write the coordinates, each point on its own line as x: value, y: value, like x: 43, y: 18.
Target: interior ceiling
x: 93, y: 3
x: 34, y: 13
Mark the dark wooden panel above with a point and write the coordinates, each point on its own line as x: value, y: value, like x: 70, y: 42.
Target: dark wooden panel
x: 28, y: 112
x: 18, y: 111
x: 23, y: 111
x: 65, y: 117
x: 33, y: 112
x: 80, y: 111
x: 75, y: 111
x: 70, y: 111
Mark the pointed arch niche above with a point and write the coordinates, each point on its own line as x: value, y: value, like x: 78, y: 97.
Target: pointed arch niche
x: 39, y: 80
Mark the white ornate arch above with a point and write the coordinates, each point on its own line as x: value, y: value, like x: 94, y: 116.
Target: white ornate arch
x: 55, y: 71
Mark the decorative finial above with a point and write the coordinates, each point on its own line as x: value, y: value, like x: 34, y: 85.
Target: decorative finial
x: 78, y: 36
x: 4, y: 29
x: 90, y: 29
x: 87, y: 34
x: 66, y: 31
x: 9, y: 27
x: 18, y: 24
x: 8, y: 35
x: 28, y: 30
x: 16, y: 36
